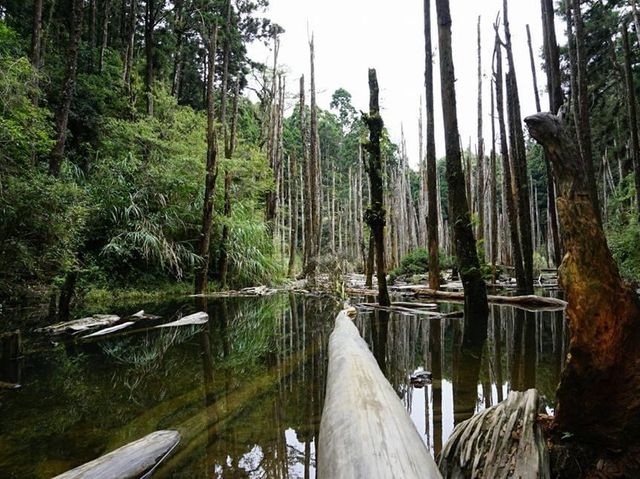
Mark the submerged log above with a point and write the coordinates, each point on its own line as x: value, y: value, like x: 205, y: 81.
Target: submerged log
x: 529, y: 302
x: 504, y: 441
x: 365, y: 430
x: 135, y: 460
x: 191, y: 320
x: 598, y: 399
x: 80, y: 325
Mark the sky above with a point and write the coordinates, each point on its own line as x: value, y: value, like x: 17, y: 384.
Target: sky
x: 354, y: 35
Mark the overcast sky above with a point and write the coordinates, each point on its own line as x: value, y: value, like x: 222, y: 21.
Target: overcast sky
x: 354, y: 35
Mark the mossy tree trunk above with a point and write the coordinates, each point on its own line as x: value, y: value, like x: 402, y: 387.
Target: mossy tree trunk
x: 375, y: 214
x: 475, y: 292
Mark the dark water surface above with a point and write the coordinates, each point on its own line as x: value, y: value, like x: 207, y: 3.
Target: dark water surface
x: 246, y: 391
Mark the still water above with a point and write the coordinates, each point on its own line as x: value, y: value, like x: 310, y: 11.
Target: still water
x: 246, y: 391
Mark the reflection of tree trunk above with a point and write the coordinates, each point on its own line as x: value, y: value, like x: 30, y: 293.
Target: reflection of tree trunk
x: 466, y: 374
x: 380, y: 333
x: 530, y: 353
x: 497, y: 350
x: 435, y: 347
x: 558, y: 347
x: 516, y: 352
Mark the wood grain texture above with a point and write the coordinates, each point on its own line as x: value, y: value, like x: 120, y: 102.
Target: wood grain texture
x: 134, y: 460
x: 365, y: 430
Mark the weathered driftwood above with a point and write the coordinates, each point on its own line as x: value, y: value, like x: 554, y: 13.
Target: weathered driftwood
x: 135, y: 460
x: 191, y: 320
x: 141, y: 315
x: 80, y: 325
x: 504, y: 441
x: 4, y: 385
x: 365, y: 430
x: 112, y: 329
x: 525, y: 302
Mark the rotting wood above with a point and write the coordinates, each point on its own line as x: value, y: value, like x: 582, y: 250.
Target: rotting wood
x: 191, y: 320
x: 80, y: 325
x: 134, y: 460
x: 365, y: 430
x: 503, y: 441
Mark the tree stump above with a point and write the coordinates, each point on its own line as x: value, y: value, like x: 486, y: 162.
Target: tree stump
x: 504, y: 441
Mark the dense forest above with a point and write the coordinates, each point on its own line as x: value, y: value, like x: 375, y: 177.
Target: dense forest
x: 142, y: 148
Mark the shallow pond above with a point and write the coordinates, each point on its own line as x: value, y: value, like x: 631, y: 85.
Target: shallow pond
x: 246, y: 391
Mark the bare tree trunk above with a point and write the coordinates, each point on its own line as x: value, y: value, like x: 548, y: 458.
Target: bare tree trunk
x: 597, y: 399
x: 202, y: 272
x: 105, y: 34
x: 177, y: 58
x: 149, y: 52
x: 131, y: 32
x: 316, y: 192
x: 57, y: 155
x: 632, y: 112
x: 519, y: 160
x: 507, y: 188
x: 494, y: 191
x: 581, y: 101
x: 432, y: 187
x: 636, y: 17
x: 533, y: 70
x: 480, y: 159
x: 475, y: 293
x: 376, y: 213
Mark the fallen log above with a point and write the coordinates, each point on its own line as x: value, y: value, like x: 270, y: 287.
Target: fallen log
x: 80, y: 325
x: 4, y: 385
x: 141, y: 315
x: 135, y: 460
x: 365, y: 430
x: 191, y: 320
x: 105, y: 331
x: 528, y: 302
x: 504, y: 441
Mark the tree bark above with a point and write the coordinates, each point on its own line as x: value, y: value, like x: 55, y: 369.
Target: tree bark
x: 55, y: 160
x: 475, y: 306
x: 202, y: 272
x: 480, y: 159
x: 105, y: 34
x: 632, y: 112
x: 131, y: 33
x: 36, y: 34
x: 533, y: 70
x: 149, y: 52
x: 597, y: 399
x: 375, y: 215
x: 432, y: 191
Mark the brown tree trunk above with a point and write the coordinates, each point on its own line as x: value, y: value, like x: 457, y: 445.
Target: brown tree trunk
x: 432, y: 191
x: 597, y: 399
x: 494, y: 190
x: 202, y: 272
x: 177, y: 58
x: 375, y: 214
x: 55, y: 160
x: 475, y: 293
x: 632, y: 112
x: 36, y: 34
x: 131, y: 37
x: 507, y: 189
x: 314, y: 159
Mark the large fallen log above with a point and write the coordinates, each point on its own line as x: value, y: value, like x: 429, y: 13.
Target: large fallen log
x: 365, y: 431
x: 135, y: 460
x: 528, y: 302
x: 504, y: 441
x: 191, y: 320
x: 80, y: 325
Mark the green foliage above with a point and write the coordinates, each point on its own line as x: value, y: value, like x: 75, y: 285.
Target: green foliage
x: 623, y: 231
x: 417, y: 262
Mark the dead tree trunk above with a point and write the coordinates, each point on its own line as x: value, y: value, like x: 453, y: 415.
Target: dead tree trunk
x: 432, y: 190
x: 597, y: 399
x: 202, y: 272
x: 68, y: 92
x: 507, y: 189
x: 480, y: 159
x: 475, y: 305
x: 375, y: 215
x: 533, y: 70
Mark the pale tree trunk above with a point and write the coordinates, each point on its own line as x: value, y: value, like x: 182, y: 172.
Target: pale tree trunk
x: 432, y: 180
x: 376, y: 213
x: 177, y: 58
x: 533, y: 70
x: 314, y: 148
x: 36, y: 34
x: 475, y: 293
x: 105, y: 34
x: 131, y: 35
x: 494, y: 191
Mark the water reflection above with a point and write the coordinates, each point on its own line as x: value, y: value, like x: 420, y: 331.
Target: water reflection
x: 246, y: 392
